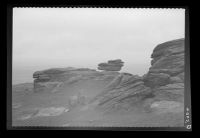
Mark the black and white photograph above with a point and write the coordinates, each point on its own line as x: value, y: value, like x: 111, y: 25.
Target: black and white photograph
x: 98, y: 67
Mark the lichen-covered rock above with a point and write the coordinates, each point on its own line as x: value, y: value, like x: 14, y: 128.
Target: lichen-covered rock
x: 111, y: 65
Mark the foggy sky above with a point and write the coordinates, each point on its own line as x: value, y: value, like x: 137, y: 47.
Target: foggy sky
x: 84, y: 37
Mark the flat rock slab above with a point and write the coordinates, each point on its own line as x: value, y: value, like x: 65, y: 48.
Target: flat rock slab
x: 16, y: 105
x: 166, y: 106
x: 51, y: 111
x: 44, y: 112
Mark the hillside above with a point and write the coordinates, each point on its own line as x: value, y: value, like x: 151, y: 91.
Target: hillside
x: 88, y: 97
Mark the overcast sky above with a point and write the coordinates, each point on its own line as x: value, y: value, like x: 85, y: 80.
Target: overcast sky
x: 84, y: 37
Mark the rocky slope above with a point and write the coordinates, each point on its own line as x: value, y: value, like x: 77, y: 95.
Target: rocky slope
x: 81, y: 94
x: 163, y: 82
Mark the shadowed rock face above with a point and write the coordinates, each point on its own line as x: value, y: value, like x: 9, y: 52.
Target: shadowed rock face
x: 111, y: 65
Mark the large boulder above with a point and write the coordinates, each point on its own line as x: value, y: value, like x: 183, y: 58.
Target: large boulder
x: 166, y: 75
x: 111, y: 65
x: 168, y: 58
x: 168, y: 61
x: 51, y: 80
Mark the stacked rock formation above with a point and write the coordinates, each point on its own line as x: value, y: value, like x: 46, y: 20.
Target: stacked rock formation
x: 163, y: 82
x: 166, y: 75
x: 111, y: 65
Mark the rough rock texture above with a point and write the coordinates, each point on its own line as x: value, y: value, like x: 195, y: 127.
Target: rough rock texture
x: 124, y: 91
x: 163, y: 82
x: 173, y: 92
x: 111, y: 65
x: 168, y: 58
x: 166, y: 75
x: 52, y: 80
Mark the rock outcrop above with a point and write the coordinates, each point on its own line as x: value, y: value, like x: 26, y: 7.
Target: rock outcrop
x: 166, y: 75
x: 122, y: 93
x: 168, y: 58
x: 163, y: 81
x: 52, y: 80
x: 111, y: 65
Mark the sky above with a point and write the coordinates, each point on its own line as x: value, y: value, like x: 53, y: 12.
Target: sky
x: 46, y: 38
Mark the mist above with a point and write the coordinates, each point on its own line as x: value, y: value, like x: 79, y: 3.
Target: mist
x: 84, y: 37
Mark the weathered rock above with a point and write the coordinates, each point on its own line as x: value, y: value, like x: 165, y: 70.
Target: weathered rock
x: 176, y: 80
x: 51, y: 79
x: 164, y: 81
x: 112, y: 65
x: 170, y: 92
x: 51, y: 111
x: 181, y: 76
x: 167, y: 106
x: 166, y: 75
x: 43, y: 112
x: 168, y: 58
x: 156, y: 79
x: 122, y: 92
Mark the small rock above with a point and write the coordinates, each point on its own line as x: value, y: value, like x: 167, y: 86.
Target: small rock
x: 25, y: 117
x: 16, y: 105
x: 51, y: 111
x: 166, y: 106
